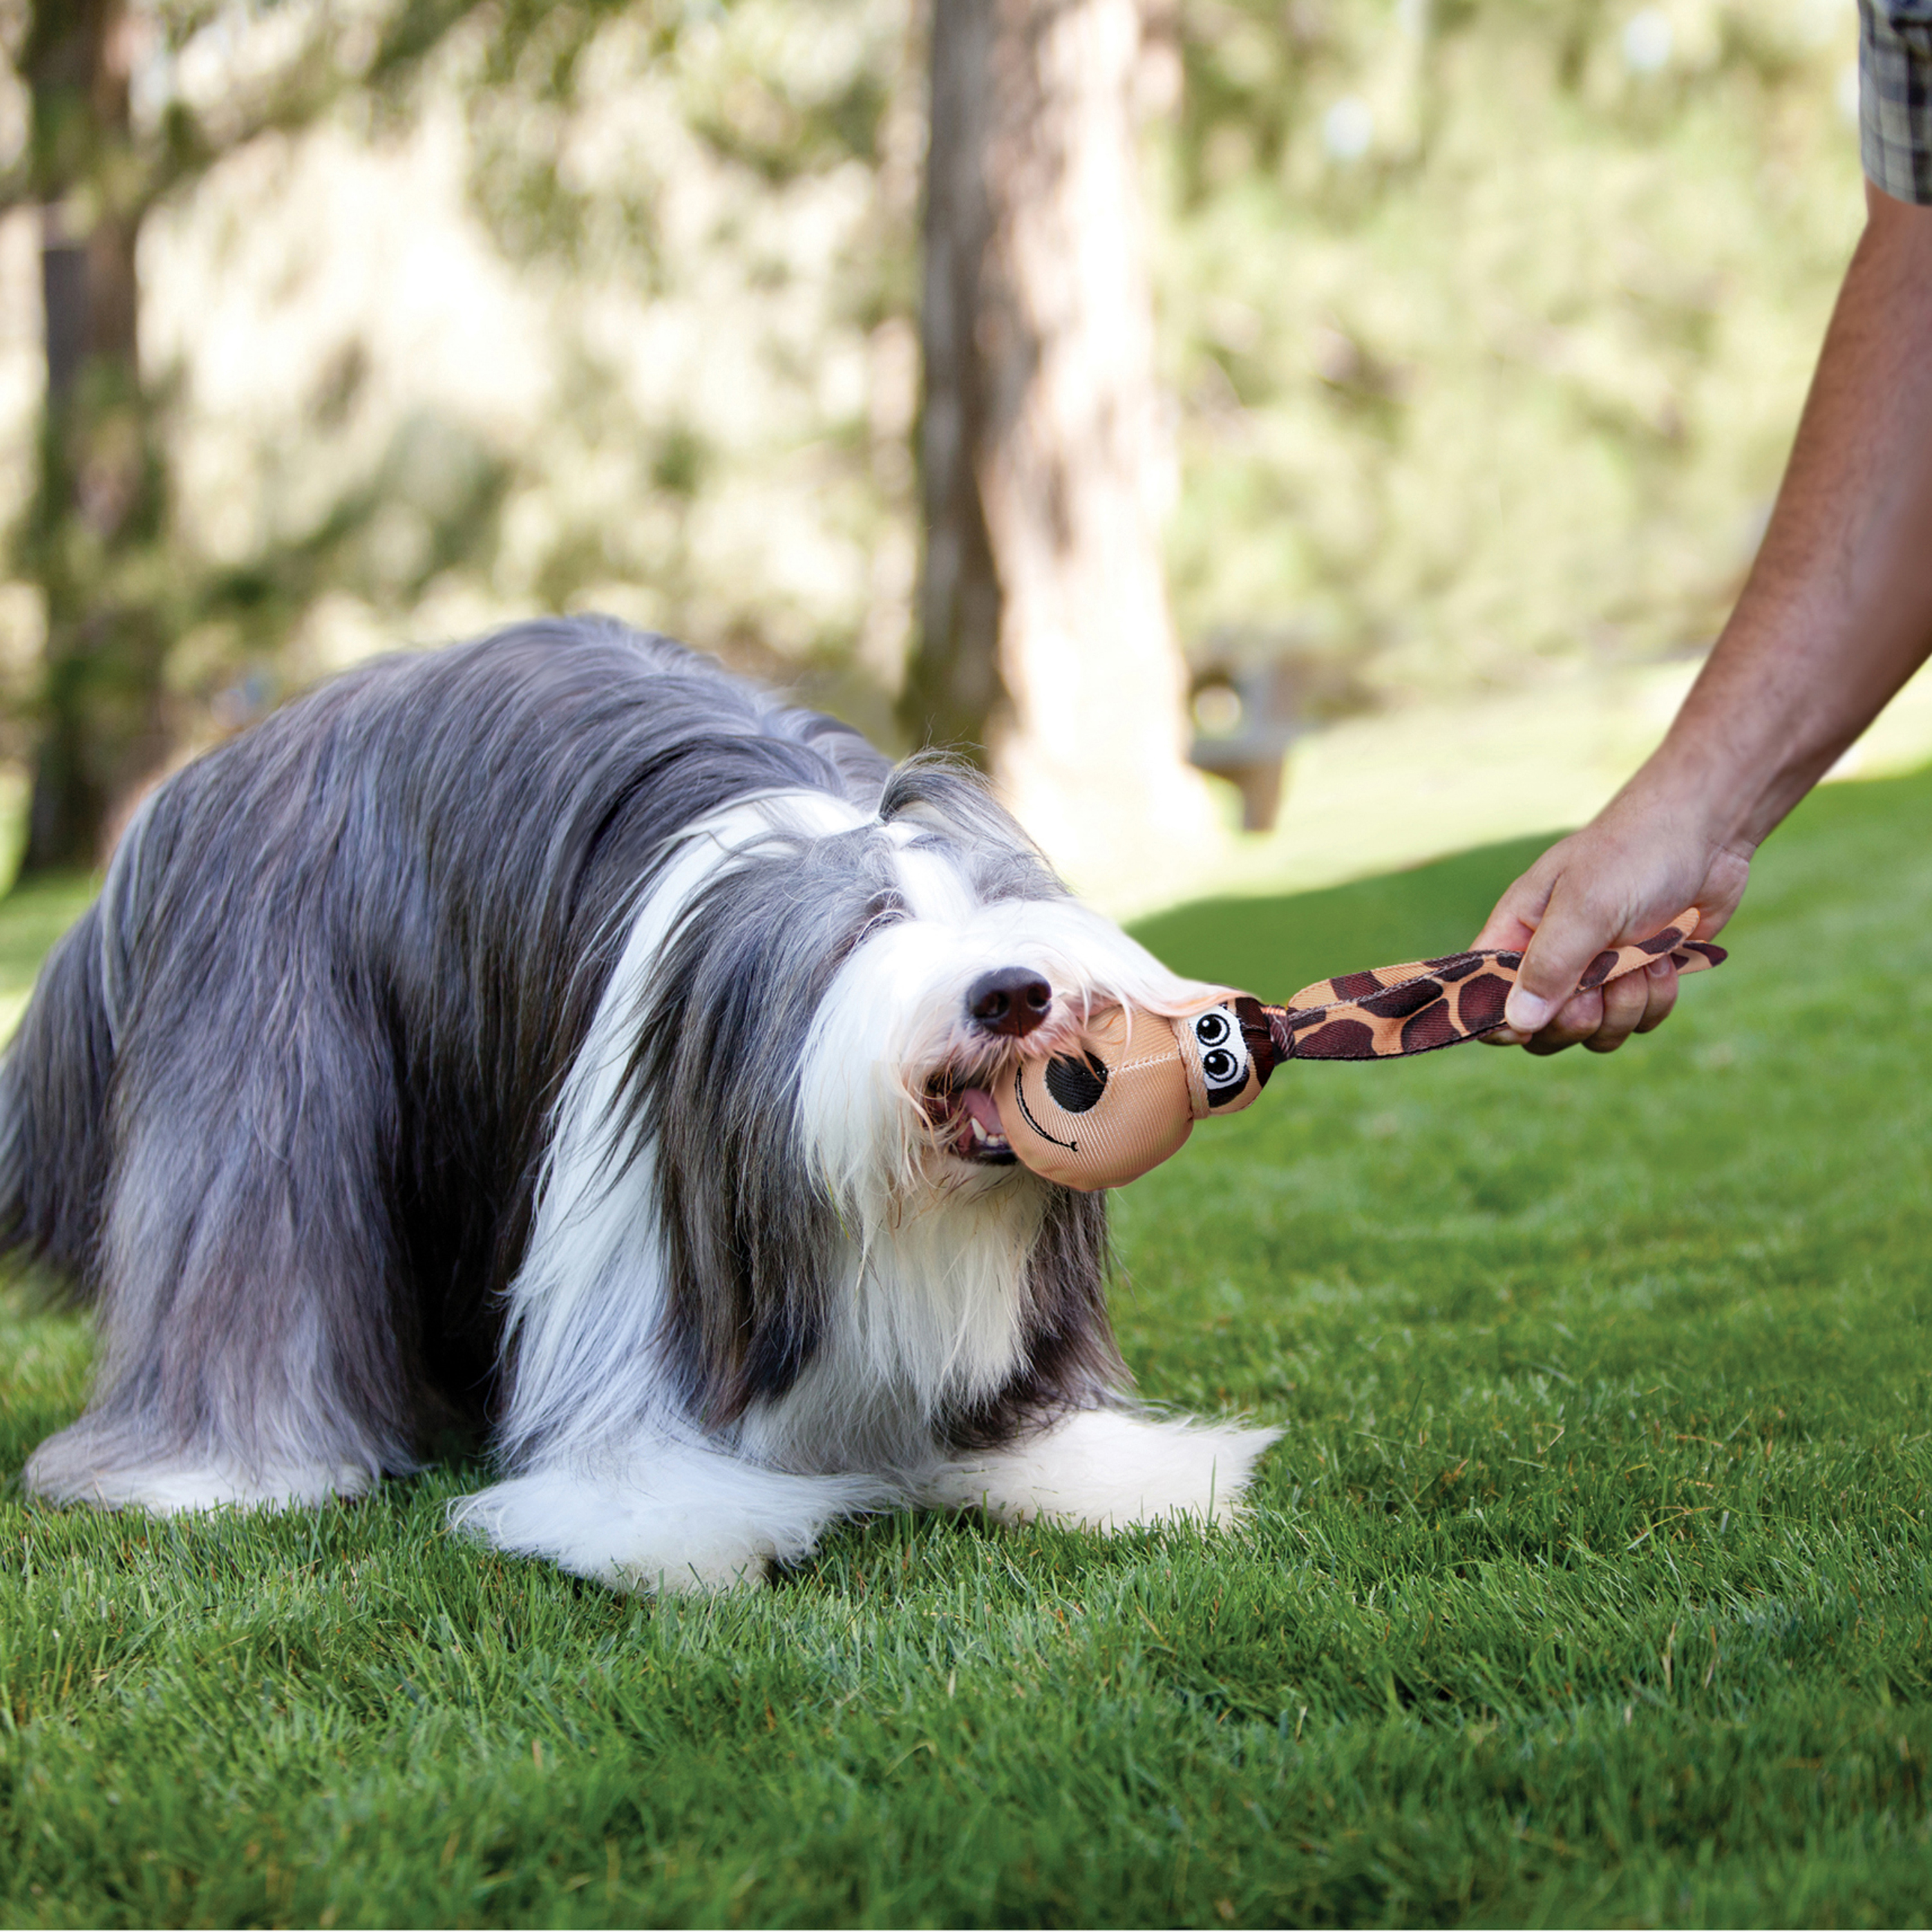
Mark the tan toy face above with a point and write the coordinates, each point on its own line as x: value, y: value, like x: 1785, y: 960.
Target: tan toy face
x: 1101, y: 1118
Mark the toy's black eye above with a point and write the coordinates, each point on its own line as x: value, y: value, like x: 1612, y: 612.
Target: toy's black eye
x: 1224, y: 1058
x: 1076, y: 1084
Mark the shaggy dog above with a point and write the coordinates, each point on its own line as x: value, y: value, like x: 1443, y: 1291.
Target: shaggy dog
x: 557, y: 1029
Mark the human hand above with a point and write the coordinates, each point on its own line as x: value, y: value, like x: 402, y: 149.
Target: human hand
x: 1834, y: 616
x: 1624, y: 877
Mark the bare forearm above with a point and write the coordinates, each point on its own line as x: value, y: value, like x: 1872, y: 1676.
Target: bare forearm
x: 1837, y: 615
x: 1837, y: 612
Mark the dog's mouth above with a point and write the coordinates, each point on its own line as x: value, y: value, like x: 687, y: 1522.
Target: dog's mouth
x: 966, y: 1123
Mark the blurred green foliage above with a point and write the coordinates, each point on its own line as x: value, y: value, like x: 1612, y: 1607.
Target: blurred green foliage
x: 1490, y: 320
x: 1486, y: 323
x: 701, y: 217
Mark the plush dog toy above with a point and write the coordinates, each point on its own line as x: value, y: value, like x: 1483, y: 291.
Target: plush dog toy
x: 1103, y: 1117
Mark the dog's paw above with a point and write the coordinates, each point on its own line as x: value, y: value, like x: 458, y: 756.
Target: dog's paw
x: 626, y: 1540
x: 1104, y: 1469
x: 691, y: 1520
x: 77, y: 1467
x: 701, y: 1573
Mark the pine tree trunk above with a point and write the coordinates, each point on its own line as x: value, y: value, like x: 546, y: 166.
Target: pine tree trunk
x: 1046, y: 639
x: 91, y: 535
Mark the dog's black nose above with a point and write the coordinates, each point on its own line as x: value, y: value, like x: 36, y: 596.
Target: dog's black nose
x: 1011, y: 1000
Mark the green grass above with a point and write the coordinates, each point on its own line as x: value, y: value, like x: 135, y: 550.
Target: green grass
x: 1589, y: 1584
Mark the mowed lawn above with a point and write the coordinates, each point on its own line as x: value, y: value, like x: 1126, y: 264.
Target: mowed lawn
x: 1590, y: 1582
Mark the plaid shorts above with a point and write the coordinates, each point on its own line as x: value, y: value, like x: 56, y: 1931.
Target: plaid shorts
x: 1895, y: 97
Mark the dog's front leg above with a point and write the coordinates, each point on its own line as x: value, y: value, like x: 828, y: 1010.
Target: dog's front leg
x: 1109, y: 1469
x: 683, y: 1517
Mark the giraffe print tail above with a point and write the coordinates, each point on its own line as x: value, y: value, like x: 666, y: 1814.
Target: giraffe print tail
x: 1425, y: 1003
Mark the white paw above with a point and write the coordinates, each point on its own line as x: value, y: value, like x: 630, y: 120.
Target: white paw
x: 691, y: 1522
x: 1103, y: 1469
x: 182, y: 1489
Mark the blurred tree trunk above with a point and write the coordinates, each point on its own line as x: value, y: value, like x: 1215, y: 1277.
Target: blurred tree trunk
x: 96, y: 537
x: 1046, y: 643
x: 91, y: 534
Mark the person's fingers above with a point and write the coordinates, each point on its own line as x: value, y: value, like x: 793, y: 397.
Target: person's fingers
x: 1660, y: 980
x: 1598, y: 889
x: 1573, y: 930
x: 1636, y: 1003
x: 1505, y: 930
x: 1512, y: 926
x: 1626, y: 1001
x: 1578, y: 1018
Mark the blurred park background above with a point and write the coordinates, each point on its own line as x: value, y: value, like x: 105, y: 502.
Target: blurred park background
x: 1400, y: 384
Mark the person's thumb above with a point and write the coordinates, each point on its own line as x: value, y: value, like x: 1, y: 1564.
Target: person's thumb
x: 1570, y: 934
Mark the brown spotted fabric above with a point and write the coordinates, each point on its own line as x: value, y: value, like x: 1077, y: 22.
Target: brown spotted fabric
x: 1425, y: 1003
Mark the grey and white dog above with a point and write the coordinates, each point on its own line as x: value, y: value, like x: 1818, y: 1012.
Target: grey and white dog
x: 557, y: 1031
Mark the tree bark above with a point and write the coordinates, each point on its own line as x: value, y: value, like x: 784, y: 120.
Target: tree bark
x: 91, y: 535
x: 1046, y: 646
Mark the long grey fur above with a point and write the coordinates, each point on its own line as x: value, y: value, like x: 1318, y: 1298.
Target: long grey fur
x: 280, y: 1104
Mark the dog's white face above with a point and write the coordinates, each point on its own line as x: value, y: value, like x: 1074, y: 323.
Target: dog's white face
x: 929, y: 1009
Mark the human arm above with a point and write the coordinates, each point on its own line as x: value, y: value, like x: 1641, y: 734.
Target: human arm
x: 1836, y: 615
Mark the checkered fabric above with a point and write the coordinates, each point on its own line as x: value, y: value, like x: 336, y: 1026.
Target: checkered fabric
x: 1895, y: 97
